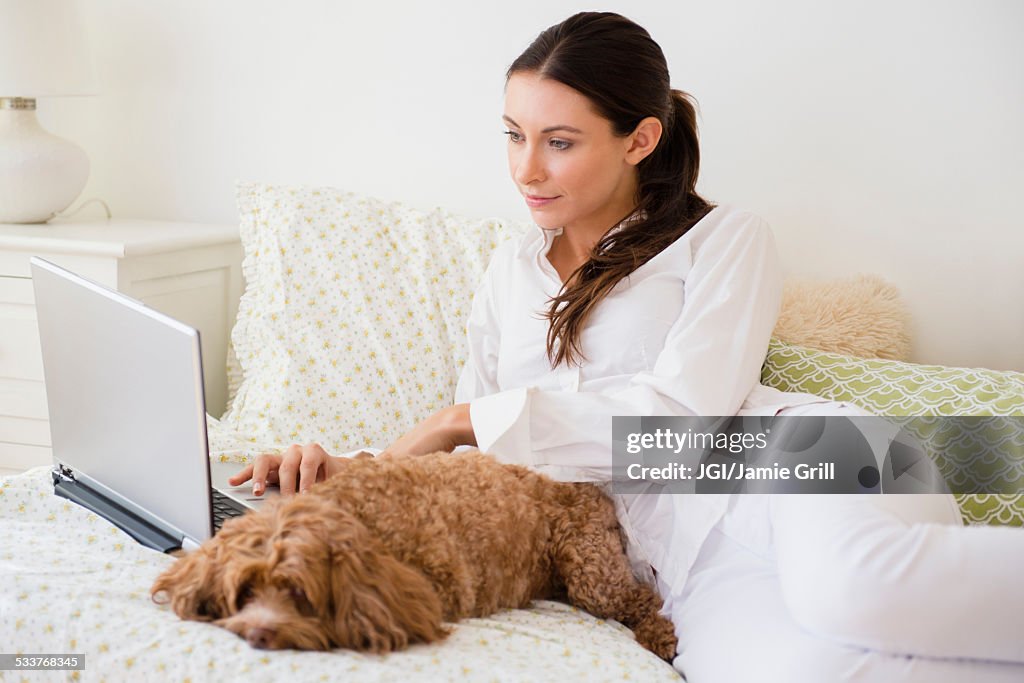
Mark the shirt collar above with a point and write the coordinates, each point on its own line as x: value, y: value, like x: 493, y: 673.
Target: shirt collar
x: 538, y: 246
x: 548, y: 234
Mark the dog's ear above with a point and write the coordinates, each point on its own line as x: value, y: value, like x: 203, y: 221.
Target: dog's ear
x: 380, y: 604
x: 193, y: 587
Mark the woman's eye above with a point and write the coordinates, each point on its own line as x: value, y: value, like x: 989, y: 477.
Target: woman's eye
x: 560, y: 145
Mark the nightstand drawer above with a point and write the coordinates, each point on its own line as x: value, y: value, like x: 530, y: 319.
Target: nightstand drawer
x: 25, y: 432
x: 20, y: 357
x: 16, y: 290
x: 23, y: 398
x: 24, y: 419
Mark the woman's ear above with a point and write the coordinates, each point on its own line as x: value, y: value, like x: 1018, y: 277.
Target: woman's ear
x: 193, y: 588
x: 380, y: 604
x: 643, y: 140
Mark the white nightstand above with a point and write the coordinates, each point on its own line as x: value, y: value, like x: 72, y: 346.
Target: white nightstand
x: 191, y: 272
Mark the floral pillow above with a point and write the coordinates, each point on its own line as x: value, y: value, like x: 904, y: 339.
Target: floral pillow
x: 351, y: 328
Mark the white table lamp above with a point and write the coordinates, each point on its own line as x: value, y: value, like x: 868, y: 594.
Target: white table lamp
x: 43, y: 53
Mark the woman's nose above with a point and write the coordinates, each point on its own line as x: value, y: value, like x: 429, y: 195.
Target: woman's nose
x: 528, y: 167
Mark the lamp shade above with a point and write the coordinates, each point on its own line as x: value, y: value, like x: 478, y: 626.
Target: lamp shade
x: 43, y: 50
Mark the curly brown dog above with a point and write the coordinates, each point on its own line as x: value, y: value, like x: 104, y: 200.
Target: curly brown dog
x: 380, y: 555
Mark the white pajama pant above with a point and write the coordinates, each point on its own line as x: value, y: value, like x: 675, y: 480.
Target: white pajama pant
x: 823, y: 588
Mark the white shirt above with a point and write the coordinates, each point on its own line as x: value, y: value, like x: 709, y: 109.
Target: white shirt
x: 684, y: 334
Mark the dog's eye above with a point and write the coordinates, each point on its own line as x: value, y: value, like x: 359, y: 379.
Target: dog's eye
x: 207, y: 609
x: 300, y: 599
x: 244, y: 595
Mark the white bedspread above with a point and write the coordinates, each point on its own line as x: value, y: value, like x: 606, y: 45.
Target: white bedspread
x: 70, y: 582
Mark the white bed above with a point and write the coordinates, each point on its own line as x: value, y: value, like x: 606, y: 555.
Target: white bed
x: 74, y: 583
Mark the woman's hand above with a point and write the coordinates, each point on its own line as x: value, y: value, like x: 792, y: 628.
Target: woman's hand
x: 442, y: 431
x: 300, y: 467
x: 296, y: 469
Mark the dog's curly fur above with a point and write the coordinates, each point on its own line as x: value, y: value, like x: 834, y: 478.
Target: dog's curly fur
x: 380, y: 555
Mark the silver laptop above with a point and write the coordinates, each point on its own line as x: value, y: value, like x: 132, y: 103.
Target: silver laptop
x: 124, y: 387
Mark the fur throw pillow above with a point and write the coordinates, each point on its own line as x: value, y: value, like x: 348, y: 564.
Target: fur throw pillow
x: 861, y: 316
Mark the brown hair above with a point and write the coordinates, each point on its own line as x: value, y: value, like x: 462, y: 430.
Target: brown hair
x: 617, y: 65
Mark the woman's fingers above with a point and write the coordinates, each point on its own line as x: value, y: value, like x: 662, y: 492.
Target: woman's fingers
x: 242, y: 476
x: 265, y: 471
x: 296, y: 469
x: 260, y: 468
x: 313, y: 459
x: 288, y: 472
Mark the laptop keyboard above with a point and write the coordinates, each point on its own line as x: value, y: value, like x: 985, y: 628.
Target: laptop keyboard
x: 223, y: 509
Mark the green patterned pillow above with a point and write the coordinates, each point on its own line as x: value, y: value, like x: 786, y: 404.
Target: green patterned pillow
x: 894, y: 388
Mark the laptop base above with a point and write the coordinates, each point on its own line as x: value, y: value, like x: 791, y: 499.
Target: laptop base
x: 133, y: 525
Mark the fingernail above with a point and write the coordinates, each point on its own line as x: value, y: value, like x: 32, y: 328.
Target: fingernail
x: 257, y: 489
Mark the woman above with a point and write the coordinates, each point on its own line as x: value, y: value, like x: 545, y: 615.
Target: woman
x: 635, y: 296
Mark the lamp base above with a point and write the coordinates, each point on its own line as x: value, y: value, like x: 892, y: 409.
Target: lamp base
x: 40, y: 174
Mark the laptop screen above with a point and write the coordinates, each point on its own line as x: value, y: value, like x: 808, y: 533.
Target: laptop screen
x: 124, y: 389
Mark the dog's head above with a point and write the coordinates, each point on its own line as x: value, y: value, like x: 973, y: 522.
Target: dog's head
x: 302, y: 573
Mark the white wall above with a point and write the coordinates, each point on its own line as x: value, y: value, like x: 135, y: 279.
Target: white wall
x: 876, y: 136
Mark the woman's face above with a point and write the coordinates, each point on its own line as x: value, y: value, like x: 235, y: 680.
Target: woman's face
x: 564, y: 157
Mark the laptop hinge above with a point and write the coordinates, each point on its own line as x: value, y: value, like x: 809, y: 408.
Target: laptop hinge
x: 64, y: 472
x: 66, y: 486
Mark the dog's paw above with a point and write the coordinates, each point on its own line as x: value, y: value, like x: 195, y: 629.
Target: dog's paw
x: 657, y: 634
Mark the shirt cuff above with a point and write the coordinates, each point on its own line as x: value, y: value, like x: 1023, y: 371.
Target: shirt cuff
x: 502, y: 427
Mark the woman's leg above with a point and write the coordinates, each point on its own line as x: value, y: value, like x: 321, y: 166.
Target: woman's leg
x: 733, y: 625
x: 899, y: 573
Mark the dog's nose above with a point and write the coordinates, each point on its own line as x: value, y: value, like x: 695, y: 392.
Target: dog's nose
x: 260, y: 637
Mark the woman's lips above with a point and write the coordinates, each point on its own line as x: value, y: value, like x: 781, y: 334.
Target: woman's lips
x: 535, y: 201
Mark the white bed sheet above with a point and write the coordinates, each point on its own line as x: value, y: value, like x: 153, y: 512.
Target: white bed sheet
x: 71, y: 582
